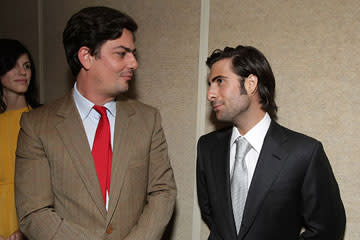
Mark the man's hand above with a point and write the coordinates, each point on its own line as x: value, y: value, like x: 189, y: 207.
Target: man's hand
x: 15, y: 236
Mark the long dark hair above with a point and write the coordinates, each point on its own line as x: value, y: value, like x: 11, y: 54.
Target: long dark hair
x: 10, y: 51
x: 248, y: 60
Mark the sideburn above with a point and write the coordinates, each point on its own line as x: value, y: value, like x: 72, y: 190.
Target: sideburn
x: 242, y: 86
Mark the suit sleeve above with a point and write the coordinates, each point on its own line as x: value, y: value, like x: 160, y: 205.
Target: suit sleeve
x: 323, y: 210
x: 203, y: 195
x: 161, y: 193
x: 33, y: 192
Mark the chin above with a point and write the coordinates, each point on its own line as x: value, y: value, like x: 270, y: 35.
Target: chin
x: 21, y: 91
x: 223, y: 118
x: 219, y: 117
x: 124, y: 89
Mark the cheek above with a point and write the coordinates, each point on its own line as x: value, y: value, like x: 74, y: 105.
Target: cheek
x: 229, y: 94
x: 113, y: 66
x: 29, y: 76
x: 119, y: 66
x: 5, y: 80
x: 235, y: 98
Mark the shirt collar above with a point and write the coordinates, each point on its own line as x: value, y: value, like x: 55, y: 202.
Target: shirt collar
x: 255, y: 136
x: 85, y: 106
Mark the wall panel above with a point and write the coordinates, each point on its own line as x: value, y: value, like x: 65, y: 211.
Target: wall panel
x: 313, y: 47
x: 168, y: 46
x: 19, y: 20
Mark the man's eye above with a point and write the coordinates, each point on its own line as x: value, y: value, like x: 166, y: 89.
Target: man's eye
x: 121, y: 54
x: 219, y: 81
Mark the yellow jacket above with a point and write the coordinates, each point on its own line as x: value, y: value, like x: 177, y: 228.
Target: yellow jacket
x: 9, y: 129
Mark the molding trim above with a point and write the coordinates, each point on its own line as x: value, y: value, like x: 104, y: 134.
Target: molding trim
x: 201, y: 103
x: 41, y: 68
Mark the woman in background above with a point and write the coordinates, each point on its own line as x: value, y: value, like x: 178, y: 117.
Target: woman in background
x: 17, y: 95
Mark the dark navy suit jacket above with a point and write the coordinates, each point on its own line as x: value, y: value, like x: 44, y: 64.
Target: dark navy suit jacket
x: 293, y: 193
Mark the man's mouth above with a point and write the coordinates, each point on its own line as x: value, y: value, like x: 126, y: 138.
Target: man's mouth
x: 216, y: 106
x: 127, y: 74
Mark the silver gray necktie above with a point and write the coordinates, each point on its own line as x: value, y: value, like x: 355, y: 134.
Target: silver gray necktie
x: 239, y: 180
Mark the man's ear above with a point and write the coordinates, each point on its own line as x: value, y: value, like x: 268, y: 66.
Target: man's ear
x: 85, y: 57
x: 251, y: 83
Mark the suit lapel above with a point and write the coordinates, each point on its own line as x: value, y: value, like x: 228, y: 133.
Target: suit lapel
x: 270, y: 162
x: 121, y: 149
x: 221, y: 161
x: 71, y: 131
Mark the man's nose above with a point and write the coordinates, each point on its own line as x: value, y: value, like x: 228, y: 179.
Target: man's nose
x: 211, y: 94
x: 133, y: 63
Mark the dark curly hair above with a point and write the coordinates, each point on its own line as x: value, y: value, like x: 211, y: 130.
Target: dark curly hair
x: 10, y: 51
x: 91, y: 27
x: 248, y: 60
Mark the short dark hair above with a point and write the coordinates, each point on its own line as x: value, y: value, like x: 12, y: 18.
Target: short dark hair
x: 248, y: 60
x: 10, y: 51
x: 91, y: 27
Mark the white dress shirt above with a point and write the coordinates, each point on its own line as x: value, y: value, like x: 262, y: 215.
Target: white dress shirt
x: 255, y: 136
x: 90, y: 119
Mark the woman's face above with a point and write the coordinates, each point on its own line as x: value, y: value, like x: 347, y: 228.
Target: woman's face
x: 17, y: 80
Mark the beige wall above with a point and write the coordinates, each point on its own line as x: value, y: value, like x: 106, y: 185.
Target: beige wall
x: 167, y: 43
x: 19, y: 20
x: 20, y: 24
x: 313, y: 47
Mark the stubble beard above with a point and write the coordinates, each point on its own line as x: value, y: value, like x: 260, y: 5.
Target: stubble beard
x: 233, y: 115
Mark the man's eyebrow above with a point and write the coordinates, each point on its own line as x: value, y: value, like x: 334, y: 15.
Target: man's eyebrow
x: 127, y: 49
x: 216, y: 78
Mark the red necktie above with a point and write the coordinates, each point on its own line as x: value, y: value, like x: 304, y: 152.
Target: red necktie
x: 102, y: 152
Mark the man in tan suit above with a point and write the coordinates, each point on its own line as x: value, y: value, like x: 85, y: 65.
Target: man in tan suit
x: 59, y: 188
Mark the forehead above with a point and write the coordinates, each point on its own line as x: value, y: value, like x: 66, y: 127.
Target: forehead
x: 125, y: 40
x: 222, y: 67
x: 23, y: 58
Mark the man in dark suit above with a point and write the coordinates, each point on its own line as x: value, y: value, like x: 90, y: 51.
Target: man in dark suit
x: 92, y: 165
x: 258, y: 180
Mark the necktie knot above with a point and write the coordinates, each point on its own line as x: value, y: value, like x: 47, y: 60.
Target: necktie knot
x: 101, y: 110
x: 242, y: 147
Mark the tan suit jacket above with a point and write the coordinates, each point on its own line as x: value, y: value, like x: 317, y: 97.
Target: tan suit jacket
x: 57, y: 192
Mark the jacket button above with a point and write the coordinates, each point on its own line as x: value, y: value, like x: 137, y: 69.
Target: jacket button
x: 109, y: 229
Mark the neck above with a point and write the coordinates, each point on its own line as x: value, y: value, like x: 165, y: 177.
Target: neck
x: 14, y: 101
x: 92, y: 93
x: 248, y: 120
